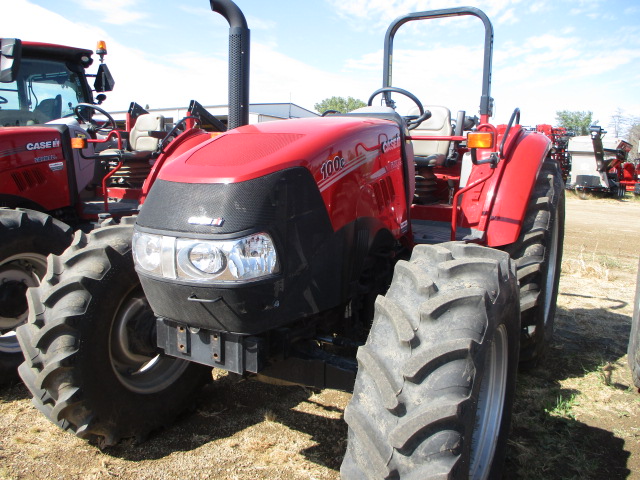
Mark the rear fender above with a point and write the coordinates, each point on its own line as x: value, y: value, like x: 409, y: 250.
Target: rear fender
x: 524, y: 160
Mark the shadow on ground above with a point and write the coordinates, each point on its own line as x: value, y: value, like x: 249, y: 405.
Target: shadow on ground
x: 231, y: 405
x: 546, y: 440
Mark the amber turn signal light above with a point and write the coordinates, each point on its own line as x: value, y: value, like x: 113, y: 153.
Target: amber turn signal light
x: 480, y: 140
x: 78, y: 142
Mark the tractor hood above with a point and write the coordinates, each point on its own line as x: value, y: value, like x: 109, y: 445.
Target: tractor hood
x: 254, y: 151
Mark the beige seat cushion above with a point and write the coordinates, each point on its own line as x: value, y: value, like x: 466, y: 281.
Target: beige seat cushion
x: 139, y: 138
x: 439, y: 124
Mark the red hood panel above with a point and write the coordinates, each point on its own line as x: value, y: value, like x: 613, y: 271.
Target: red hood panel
x: 255, y: 150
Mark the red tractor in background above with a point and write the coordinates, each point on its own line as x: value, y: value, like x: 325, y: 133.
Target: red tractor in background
x: 48, y: 188
x: 405, y: 258
x: 559, y: 137
x: 629, y: 175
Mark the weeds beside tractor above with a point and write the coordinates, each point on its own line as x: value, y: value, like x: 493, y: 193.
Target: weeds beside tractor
x: 403, y: 258
x: 48, y: 187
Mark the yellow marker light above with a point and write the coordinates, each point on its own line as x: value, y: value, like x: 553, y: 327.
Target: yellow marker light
x: 101, y: 49
x: 480, y: 140
x: 79, y: 142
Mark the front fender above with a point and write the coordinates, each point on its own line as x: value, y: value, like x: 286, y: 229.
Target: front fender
x: 523, y: 163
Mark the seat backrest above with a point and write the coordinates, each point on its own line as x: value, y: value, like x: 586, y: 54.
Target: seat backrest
x: 140, y: 138
x: 51, y: 108
x: 439, y: 124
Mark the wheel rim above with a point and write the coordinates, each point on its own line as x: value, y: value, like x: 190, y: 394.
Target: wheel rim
x: 140, y: 372
x: 17, y: 273
x: 490, y: 406
x: 552, y: 266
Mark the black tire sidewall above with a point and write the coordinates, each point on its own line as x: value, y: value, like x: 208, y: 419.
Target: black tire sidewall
x: 101, y: 388
x: 24, y: 232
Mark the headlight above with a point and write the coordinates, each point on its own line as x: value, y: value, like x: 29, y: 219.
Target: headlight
x: 206, y: 261
x: 146, y: 251
x: 205, y: 258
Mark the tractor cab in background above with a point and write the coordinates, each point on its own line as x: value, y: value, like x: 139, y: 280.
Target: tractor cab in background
x: 42, y: 82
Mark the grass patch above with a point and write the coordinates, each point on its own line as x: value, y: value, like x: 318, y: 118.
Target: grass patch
x: 562, y: 407
x: 591, y: 265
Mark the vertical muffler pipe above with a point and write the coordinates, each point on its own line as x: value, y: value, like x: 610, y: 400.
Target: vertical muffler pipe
x: 238, y: 62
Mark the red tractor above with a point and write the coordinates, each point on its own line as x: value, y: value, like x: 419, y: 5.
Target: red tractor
x: 629, y: 175
x: 406, y: 259
x: 559, y: 137
x: 48, y: 188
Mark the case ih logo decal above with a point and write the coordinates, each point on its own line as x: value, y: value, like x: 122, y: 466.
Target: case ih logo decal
x: 56, y: 166
x: 211, y: 222
x: 43, y: 145
x: 391, y: 144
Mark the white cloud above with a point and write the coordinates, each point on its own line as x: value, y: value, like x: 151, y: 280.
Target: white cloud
x: 162, y: 80
x: 509, y: 17
x: 116, y: 12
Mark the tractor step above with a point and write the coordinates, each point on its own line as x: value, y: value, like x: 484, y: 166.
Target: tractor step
x: 432, y: 232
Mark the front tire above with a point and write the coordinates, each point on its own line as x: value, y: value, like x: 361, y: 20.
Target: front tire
x: 27, y: 237
x: 90, y: 356
x: 538, y: 257
x: 436, y: 378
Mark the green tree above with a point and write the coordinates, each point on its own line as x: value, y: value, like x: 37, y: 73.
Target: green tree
x: 578, y: 122
x: 340, y: 104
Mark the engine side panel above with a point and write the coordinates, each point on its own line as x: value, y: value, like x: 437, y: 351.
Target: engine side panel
x: 33, y: 166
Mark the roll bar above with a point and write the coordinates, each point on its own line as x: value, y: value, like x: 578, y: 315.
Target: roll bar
x: 486, y: 102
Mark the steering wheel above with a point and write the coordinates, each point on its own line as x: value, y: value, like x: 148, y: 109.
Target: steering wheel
x: 412, y: 120
x: 3, y: 101
x: 106, y: 128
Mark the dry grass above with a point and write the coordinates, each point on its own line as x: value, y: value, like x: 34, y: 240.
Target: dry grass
x: 590, y: 265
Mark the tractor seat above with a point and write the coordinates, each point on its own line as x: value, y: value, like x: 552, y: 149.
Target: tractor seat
x: 432, y: 153
x: 142, y: 141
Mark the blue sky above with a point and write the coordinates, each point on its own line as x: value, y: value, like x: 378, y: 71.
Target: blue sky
x: 549, y: 55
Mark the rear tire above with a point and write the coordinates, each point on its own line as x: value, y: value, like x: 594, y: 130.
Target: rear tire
x: 27, y: 237
x: 436, y: 378
x: 90, y: 357
x: 634, y: 338
x: 538, y: 258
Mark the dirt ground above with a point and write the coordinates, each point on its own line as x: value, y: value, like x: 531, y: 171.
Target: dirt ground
x: 576, y: 416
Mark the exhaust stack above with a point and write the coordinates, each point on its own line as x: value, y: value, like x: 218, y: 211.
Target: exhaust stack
x: 238, y: 61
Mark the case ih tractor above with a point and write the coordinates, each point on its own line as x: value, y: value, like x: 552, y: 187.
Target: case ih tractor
x: 402, y: 258
x: 48, y: 188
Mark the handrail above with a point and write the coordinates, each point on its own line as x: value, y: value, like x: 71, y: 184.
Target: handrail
x: 514, y: 116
